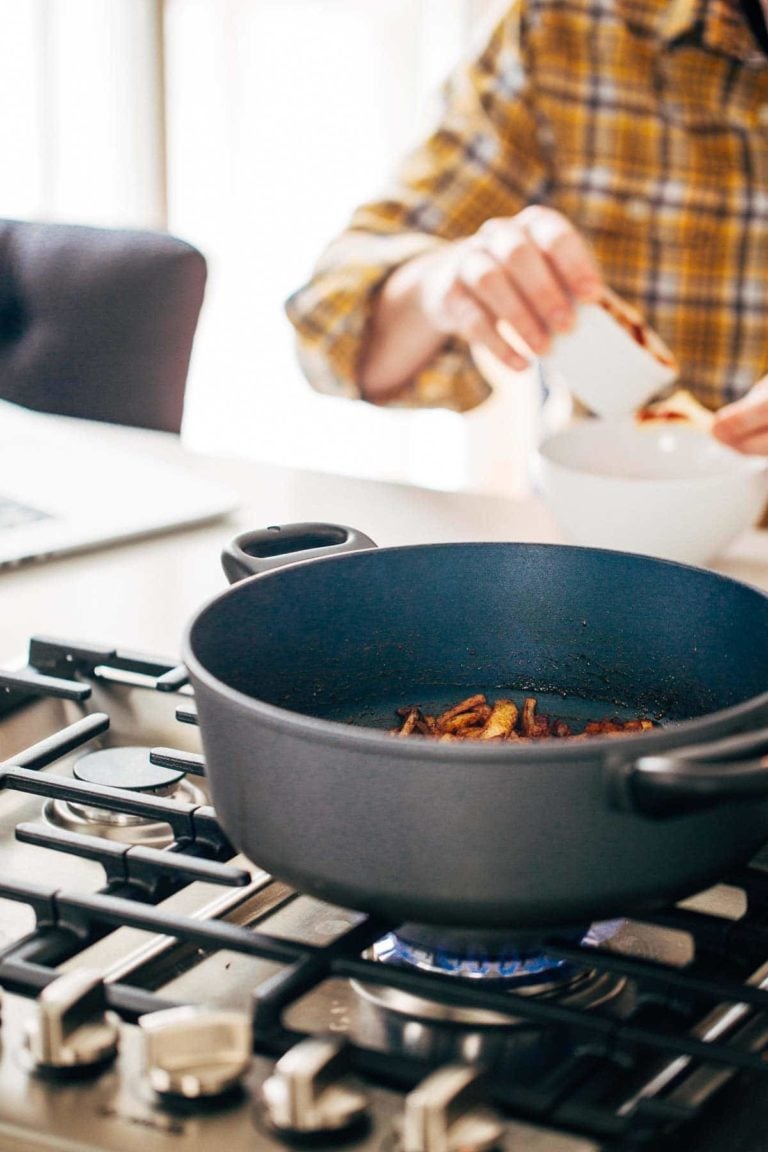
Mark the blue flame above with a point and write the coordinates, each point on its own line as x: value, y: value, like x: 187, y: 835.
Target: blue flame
x: 519, y: 966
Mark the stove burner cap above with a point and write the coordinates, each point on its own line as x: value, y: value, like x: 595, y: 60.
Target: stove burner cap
x: 125, y: 768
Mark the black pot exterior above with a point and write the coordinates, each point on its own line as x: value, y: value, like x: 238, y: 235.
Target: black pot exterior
x: 499, y: 836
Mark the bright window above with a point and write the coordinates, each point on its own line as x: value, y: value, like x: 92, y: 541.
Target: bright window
x: 251, y: 128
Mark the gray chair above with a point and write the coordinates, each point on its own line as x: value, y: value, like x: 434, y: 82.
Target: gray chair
x: 98, y: 322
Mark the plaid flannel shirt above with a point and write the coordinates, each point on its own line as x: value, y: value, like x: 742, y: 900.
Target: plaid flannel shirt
x: 645, y: 122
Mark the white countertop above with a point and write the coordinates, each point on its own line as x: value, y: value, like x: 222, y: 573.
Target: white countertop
x: 140, y: 595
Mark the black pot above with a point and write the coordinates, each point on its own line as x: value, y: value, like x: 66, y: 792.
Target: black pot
x: 299, y: 668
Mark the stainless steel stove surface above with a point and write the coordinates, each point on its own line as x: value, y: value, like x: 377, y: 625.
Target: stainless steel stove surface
x: 160, y: 992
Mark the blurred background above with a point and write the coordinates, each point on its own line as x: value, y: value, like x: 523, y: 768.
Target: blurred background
x: 250, y: 128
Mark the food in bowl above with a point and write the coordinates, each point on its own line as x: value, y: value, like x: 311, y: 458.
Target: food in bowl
x: 662, y: 489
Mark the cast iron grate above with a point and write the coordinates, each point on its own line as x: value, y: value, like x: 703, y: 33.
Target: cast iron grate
x: 580, y: 1093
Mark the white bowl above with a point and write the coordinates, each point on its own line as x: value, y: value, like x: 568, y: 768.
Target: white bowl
x: 662, y: 490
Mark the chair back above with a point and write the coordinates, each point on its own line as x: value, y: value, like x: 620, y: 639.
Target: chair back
x: 98, y: 322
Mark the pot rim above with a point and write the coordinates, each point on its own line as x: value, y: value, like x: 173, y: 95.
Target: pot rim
x: 335, y: 733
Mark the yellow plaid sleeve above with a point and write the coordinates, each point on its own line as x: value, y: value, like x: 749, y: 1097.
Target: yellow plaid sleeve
x: 481, y: 160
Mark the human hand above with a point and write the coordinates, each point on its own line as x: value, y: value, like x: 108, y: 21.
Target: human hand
x: 526, y: 272
x: 743, y: 425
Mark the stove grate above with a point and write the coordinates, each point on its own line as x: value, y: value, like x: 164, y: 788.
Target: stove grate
x: 622, y: 1077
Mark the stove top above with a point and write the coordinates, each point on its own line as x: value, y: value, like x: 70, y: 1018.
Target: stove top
x: 161, y: 992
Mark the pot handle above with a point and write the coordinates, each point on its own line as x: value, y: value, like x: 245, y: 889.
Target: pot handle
x: 696, y: 777
x: 266, y: 549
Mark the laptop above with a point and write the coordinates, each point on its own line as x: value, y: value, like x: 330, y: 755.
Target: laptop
x: 62, y: 491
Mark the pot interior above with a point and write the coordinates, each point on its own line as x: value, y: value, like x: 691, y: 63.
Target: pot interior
x: 590, y: 633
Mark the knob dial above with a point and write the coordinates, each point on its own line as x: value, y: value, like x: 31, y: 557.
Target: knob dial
x: 195, y: 1053
x: 70, y: 1027
x: 445, y: 1114
x: 305, y: 1096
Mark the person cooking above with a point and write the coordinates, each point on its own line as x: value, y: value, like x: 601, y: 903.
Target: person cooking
x: 587, y: 143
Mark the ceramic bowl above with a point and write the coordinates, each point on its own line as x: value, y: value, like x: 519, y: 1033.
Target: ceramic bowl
x: 663, y: 490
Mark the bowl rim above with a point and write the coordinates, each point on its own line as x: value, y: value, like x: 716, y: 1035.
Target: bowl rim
x: 737, y: 465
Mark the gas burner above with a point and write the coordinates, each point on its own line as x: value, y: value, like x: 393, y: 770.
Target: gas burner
x: 589, y: 989
x: 520, y: 968
x: 411, y: 1024
x: 527, y: 970
x: 127, y: 768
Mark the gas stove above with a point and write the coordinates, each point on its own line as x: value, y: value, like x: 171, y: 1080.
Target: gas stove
x: 161, y: 992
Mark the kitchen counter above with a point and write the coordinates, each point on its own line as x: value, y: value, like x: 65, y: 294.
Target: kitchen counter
x: 141, y: 594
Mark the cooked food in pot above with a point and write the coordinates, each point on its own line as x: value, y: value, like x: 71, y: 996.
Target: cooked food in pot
x: 477, y: 719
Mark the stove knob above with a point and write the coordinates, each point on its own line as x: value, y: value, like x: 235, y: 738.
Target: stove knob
x: 71, y: 1028
x: 195, y: 1053
x: 443, y: 1114
x: 304, y: 1095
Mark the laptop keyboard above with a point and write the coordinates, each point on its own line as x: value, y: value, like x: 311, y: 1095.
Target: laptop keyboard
x: 13, y: 514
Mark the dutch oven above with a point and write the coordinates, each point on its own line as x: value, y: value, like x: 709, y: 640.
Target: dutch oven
x: 299, y: 667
